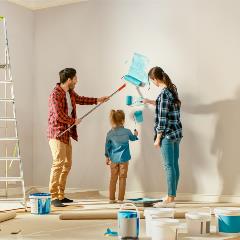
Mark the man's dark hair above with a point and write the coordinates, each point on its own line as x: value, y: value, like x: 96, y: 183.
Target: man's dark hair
x: 67, y: 73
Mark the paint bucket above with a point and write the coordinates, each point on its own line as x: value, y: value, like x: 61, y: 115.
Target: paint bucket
x: 40, y: 203
x: 164, y: 229
x: 138, y: 116
x: 228, y: 220
x: 198, y: 223
x: 156, y: 213
x: 128, y: 222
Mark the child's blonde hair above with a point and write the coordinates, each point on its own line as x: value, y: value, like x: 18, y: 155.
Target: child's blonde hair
x: 117, y: 117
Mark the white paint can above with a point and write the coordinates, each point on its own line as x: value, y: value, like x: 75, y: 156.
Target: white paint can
x: 198, y: 223
x: 128, y: 222
x: 156, y: 213
x: 164, y: 229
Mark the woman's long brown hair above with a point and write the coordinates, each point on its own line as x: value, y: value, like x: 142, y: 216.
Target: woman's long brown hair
x: 159, y: 74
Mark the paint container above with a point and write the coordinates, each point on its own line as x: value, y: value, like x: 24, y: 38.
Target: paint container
x: 228, y: 220
x: 40, y: 203
x: 156, y: 213
x: 128, y: 222
x: 138, y: 116
x: 198, y: 223
x: 164, y: 229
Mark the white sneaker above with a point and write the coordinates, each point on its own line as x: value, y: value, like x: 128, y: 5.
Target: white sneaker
x: 120, y: 201
x: 112, y: 201
x: 164, y: 204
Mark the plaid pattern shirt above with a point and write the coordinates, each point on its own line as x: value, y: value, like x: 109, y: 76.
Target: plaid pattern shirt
x: 58, y: 119
x: 167, y: 116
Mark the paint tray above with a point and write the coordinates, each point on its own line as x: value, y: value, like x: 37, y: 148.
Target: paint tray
x: 144, y: 202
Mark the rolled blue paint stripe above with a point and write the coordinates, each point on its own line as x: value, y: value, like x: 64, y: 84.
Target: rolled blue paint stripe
x: 129, y: 100
x: 133, y: 80
x: 138, y: 116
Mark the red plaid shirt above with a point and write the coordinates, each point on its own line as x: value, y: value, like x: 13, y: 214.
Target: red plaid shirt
x: 58, y: 119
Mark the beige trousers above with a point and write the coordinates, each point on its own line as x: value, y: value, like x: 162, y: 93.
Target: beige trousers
x: 62, y: 162
x: 118, y: 171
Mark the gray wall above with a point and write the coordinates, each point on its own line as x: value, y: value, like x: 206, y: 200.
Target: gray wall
x: 196, y: 42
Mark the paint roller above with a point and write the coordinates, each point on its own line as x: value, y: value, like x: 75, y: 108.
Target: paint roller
x: 97, y: 106
x: 130, y: 101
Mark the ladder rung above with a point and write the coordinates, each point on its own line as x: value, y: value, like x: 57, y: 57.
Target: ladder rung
x: 6, y: 100
x: 4, y: 65
x: 8, y: 119
x: 9, y: 139
x: 10, y: 158
x: 11, y: 179
x: 6, y: 81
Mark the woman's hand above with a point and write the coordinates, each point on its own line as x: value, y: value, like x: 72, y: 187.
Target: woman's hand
x: 158, y: 140
x: 157, y: 143
x: 148, y: 101
x: 145, y: 100
x: 108, y: 161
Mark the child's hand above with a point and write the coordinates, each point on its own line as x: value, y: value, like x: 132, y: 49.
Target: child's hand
x: 108, y: 161
x: 135, y: 132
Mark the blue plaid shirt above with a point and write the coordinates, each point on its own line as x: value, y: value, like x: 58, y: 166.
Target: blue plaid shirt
x: 117, y: 144
x: 167, y: 116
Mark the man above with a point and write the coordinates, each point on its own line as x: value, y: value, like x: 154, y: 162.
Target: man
x: 61, y: 115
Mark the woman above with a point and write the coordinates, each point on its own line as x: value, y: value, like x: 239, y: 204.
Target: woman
x: 168, y: 130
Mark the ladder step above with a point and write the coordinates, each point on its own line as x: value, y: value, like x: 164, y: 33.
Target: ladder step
x: 6, y: 81
x: 6, y: 100
x: 8, y: 119
x: 11, y: 179
x: 4, y: 65
x: 10, y: 158
x: 9, y: 139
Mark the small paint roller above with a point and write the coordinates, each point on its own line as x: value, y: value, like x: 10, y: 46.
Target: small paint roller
x: 97, y: 106
x: 130, y: 100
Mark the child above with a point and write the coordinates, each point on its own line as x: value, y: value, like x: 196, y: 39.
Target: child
x: 117, y: 153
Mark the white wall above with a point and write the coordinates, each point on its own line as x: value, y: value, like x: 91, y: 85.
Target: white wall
x: 196, y: 42
x: 20, y: 23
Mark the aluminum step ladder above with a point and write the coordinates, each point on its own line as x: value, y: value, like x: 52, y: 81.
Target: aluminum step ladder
x: 9, y: 141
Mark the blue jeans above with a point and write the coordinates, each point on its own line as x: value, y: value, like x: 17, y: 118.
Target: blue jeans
x: 170, y: 153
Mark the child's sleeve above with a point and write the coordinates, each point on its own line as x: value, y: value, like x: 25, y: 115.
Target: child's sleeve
x: 108, y: 146
x: 132, y: 137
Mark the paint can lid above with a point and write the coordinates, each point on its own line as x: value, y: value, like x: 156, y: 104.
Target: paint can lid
x: 40, y: 195
x: 227, y: 211
x: 198, y: 216
x: 165, y: 222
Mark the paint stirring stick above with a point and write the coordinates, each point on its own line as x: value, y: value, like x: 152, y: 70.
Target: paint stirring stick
x: 86, y: 114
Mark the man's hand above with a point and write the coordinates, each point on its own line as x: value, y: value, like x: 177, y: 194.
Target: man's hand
x: 103, y: 99
x: 108, y: 161
x: 77, y: 121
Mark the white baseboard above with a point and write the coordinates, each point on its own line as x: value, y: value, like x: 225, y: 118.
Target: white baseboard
x: 180, y: 196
